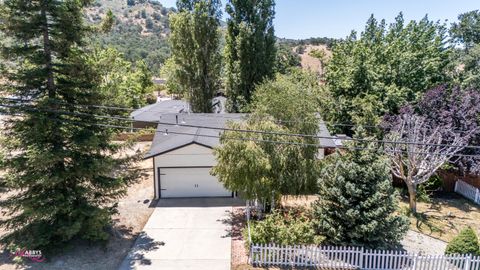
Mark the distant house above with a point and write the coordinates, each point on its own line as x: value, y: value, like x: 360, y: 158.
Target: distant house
x: 148, y: 116
x: 159, y: 81
x: 182, y: 154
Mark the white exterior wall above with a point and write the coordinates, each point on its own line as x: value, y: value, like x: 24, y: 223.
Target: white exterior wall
x: 192, y: 155
x: 321, y: 153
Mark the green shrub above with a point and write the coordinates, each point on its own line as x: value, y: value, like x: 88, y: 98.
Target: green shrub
x: 285, y: 228
x: 466, y: 242
x: 425, y: 190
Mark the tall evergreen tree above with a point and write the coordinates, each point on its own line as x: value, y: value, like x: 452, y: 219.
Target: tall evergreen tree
x: 60, y: 162
x: 357, y: 202
x: 195, y: 42
x: 250, y: 51
x: 467, y: 30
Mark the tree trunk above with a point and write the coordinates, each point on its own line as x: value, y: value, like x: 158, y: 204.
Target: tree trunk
x: 412, y: 193
x: 47, y: 51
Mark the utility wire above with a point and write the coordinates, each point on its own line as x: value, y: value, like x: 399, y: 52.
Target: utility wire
x: 166, y: 132
x: 206, y: 115
x: 256, y: 131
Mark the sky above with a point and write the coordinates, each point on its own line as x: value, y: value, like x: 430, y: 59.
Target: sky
x: 298, y: 19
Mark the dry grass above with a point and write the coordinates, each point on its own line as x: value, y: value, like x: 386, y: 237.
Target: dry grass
x: 134, y: 211
x: 312, y: 63
x: 445, y: 216
x: 298, y: 201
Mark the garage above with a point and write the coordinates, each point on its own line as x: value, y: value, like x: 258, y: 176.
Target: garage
x: 190, y: 182
x: 183, y: 150
x: 183, y: 155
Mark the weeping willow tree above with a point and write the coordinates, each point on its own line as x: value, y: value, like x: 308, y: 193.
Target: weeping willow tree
x: 261, y: 165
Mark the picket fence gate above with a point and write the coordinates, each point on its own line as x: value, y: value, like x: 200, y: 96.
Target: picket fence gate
x: 468, y: 191
x: 330, y: 257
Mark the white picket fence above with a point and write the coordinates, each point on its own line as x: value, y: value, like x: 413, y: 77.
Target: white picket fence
x: 468, y: 191
x: 329, y: 257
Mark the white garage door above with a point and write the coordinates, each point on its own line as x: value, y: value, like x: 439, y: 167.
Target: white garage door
x: 190, y: 182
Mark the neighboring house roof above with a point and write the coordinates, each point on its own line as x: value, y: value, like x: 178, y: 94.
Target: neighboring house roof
x: 153, y: 112
x: 219, y: 104
x: 167, y: 141
x: 159, y: 81
x: 340, y: 139
x: 325, y: 140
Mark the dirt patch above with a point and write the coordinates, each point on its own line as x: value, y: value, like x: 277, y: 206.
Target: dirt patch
x: 445, y: 216
x: 311, y: 63
x: 134, y: 211
x: 418, y: 243
x: 298, y: 201
x: 239, y: 251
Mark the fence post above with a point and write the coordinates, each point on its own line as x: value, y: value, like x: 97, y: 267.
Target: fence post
x: 414, y: 266
x: 250, y: 259
x: 468, y: 260
x: 360, y: 263
x: 456, y: 186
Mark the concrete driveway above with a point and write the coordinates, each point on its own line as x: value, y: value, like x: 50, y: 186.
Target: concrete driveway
x: 185, y: 234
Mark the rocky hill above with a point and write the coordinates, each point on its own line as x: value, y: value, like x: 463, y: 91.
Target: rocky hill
x: 149, y: 16
x: 140, y: 30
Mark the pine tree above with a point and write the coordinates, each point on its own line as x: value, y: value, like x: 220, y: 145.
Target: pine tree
x: 357, y: 202
x: 195, y: 43
x: 250, y: 51
x: 61, y: 164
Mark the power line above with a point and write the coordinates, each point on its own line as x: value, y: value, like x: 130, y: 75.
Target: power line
x: 207, y: 115
x: 166, y: 132
x: 257, y: 131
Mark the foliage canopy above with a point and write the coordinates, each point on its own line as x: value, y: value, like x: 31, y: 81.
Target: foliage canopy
x: 195, y: 42
x: 250, y: 51
x: 263, y: 170
x: 382, y: 69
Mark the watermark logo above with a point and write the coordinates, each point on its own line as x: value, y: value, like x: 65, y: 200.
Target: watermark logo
x: 33, y: 255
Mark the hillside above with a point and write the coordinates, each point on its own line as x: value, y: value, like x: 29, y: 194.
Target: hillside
x: 312, y: 63
x: 140, y: 30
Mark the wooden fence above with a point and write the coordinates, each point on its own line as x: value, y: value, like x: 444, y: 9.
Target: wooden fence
x: 468, y: 191
x: 329, y: 257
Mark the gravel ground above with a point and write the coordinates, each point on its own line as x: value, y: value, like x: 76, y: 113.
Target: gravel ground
x: 418, y: 243
x: 134, y: 211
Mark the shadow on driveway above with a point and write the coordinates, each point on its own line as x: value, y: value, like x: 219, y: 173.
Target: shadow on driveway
x: 200, y: 202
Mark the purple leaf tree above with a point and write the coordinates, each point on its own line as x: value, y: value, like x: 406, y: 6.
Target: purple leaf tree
x: 431, y: 133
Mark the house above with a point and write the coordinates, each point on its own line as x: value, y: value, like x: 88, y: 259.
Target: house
x: 183, y: 157
x: 148, y: 116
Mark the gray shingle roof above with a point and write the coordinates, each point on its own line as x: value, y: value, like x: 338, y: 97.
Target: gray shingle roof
x: 165, y: 142
x: 154, y: 111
